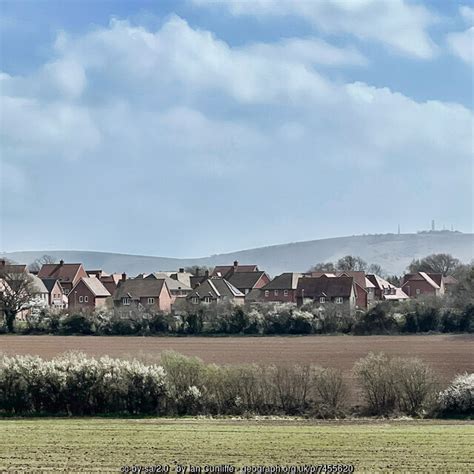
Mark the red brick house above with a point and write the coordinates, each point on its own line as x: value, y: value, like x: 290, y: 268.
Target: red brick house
x: 215, y: 289
x: 327, y: 289
x: 422, y: 283
x: 362, y: 285
x: 385, y: 291
x: 281, y: 289
x: 226, y: 271
x: 88, y: 293
x: 150, y: 293
x: 248, y: 281
x: 56, y: 297
x: 68, y: 274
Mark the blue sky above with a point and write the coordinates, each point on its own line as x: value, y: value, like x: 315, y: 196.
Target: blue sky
x: 198, y: 127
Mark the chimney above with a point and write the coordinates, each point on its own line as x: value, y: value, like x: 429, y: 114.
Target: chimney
x: 196, y: 273
x: 181, y: 270
x: 207, y: 273
x: 61, y: 262
x: 124, y: 276
x: 2, y: 263
x: 236, y: 263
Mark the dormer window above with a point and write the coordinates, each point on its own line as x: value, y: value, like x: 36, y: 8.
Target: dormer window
x: 151, y: 300
x: 126, y: 301
x: 322, y: 299
x: 339, y: 299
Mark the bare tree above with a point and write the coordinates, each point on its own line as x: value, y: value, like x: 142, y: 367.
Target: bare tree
x: 16, y: 291
x: 436, y: 263
x: 351, y: 263
x: 327, y: 267
x: 36, y: 265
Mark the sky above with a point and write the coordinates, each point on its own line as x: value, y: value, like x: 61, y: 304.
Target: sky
x: 195, y: 127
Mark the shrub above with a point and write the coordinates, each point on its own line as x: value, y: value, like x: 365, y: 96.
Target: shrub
x: 377, y: 380
x: 458, y: 398
x: 378, y: 320
x: 76, y: 323
x: 332, y: 392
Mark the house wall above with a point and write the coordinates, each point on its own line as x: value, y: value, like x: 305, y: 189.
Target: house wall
x: 280, y: 297
x: 81, y: 290
x: 425, y: 288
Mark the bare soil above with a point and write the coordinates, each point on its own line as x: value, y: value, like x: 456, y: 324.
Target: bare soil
x: 447, y: 354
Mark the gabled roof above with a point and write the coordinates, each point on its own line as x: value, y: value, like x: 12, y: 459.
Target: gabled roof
x: 227, y: 270
x: 50, y: 282
x: 422, y: 276
x: 399, y: 294
x: 95, y: 285
x: 358, y: 276
x: 330, y: 287
x: 450, y: 280
x: 65, y: 272
x: 285, y: 281
x: 216, y: 287
x: 171, y: 282
x: 379, y: 282
x: 244, y: 280
x: 12, y: 267
x: 137, y: 288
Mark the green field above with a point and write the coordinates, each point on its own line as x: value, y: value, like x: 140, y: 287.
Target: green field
x: 104, y: 445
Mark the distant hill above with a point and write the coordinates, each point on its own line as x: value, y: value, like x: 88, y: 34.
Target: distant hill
x: 393, y: 252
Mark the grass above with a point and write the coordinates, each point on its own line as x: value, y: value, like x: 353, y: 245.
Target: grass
x: 104, y: 445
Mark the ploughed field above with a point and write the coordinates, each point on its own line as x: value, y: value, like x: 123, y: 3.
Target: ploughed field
x: 106, y: 445
x: 448, y: 355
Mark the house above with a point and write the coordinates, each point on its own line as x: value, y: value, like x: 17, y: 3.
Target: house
x: 150, y: 293
x: 248, y: 281
x: 226, y: 271
x: 385, y: 291
x: 423, y: 284
x: 56, y: 297
x: 327, y: 289
x: 197, y: 279
x: 363, y: 287
x: 68, y: 274
x: 215, y: 289
x: 180, y: 276
x: 449, y: 283
x: 110, y: 281
x: 177, y: 288
x: 281, y: 289
x: 88, y: 293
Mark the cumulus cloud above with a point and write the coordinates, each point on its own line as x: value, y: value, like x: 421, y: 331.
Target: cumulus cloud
x: 461, y: 43
x: 397, y: 23
x: 163, y: 113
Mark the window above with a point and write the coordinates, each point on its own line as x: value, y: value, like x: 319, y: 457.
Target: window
x: 151, y: 300
x: 418, y: 291
x: 285, y: 292
x: 267, y: 293
x: 339, y: 300
x: 207, y: 299
x: 81, y: 299
x: 86, y: 299
x: 275, y: 292
x: 126, y: 301
x: 195, y: 300
x: 322, y: 299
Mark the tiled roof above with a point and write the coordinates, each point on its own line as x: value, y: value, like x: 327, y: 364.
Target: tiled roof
x: 243, y: 280
x: 325, y: 286
x: 95, y: 285
x: 216, y: 287
x: 171, y: 282
x: 139, y: 288
x: 49, y: 283
x: 227, y: 270
x: 285, y: 281
x: 64, y: 272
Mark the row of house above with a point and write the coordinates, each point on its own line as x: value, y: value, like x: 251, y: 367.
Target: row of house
x: 62, y: 285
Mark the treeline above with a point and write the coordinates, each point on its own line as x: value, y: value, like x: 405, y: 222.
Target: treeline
x: 76, y: 385
x: 416, y: 316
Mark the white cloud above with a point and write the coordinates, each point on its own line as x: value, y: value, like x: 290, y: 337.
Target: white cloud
x: 462, y: 44
x: 161, y: 114
x: 397, y: 23
x: 467, y: 13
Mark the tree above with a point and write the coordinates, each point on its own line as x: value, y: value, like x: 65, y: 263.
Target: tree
x: 198, y: 270
x: 376, y: 269
x: 16, y: 292
x: 351, y: 263
x: 436, y: 263
x: 36, y: 265
x: 327, y: 267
